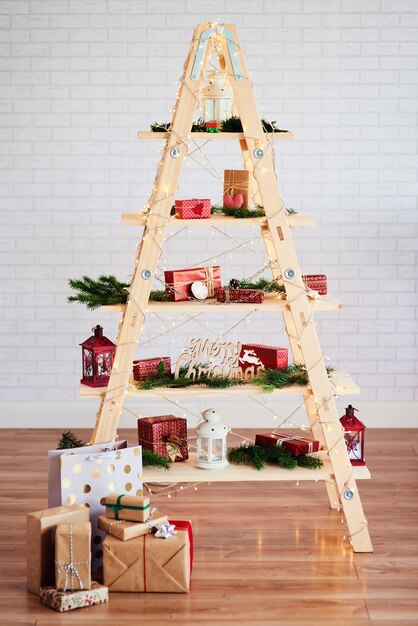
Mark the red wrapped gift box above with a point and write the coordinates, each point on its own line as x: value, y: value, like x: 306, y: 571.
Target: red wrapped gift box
x: 317, y: 282
x: 240, y: 295
x: 270, y: 357
x: 185, y: 525
x: 164, y: 434
x: 145, y: 367
x: 294, y: 444
x: 195, y: 208
x: 178, y: 282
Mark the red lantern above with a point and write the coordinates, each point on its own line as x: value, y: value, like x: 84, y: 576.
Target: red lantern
x: 98, y: 353
x: 353, y: 436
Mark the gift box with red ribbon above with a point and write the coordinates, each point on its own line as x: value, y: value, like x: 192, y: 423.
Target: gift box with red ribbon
x: 179, y: 282
x: 269, y: 357
x: 240, y: 295
x: 165, y: 435
x: 146, y: 367
x: 196, y: 208
x: 160, y: 562
x: 294, y: 444
x: 316, y: 282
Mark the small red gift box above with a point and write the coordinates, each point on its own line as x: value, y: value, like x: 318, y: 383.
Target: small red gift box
x: 195, y: 208
x: 317, y: 282
x: 145, y: 367
x: 178, y: 282
x: 292, y: 443
x: 240, y: 295
x: 270, y: 357
x: 165, y: 435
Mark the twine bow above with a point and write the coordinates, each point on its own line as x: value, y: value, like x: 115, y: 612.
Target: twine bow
x: 231, y: 186
x: 117, y: 506
x: 70, y: 567
x: 209, y: 281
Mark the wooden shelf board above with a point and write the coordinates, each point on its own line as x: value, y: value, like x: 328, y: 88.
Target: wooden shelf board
x: 271, y: 303
x: 343, y: 382
x: 149, y: 134
x: 136, y: 218
x: 187, y: 472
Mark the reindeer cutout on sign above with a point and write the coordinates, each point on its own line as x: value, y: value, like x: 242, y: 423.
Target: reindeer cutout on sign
x: 250, y: 356
x: 203, y: 357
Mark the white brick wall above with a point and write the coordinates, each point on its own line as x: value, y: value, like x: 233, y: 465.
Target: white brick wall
x: 80, y: 77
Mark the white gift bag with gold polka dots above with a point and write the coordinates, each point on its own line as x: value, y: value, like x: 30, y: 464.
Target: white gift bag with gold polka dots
x: 87, y: 475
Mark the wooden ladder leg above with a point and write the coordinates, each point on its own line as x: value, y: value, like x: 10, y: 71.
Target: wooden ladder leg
x: 149, y: 251
x: 285, y: 265
x: 298, y: 358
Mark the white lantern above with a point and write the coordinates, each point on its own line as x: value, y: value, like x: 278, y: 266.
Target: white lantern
x: 211, y: 441
x: 216, y: 98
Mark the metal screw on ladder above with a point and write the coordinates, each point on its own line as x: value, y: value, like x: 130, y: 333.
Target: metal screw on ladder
x: 146, y: 274
x: 348, y: 494
x: 174, y: 152
x: 258, y: 153
x: 289, y: 273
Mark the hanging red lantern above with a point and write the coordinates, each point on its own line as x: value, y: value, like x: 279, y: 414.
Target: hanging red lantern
x: 98, y: 353
x: 353, y: 436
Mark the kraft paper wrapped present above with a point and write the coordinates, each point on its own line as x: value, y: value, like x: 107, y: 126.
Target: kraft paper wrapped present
x: 69, y: 600
x: 148, y: 563
x: 130, y: 508
x: 88, y: 477
x: 41, y: 528
x: 73, y: 557
x: 237, y: 182
x: 125, y: 531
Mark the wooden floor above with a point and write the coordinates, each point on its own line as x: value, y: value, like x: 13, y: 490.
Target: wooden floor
x: 264, y: 553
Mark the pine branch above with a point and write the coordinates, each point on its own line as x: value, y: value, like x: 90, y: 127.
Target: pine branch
x: 106, y: 290
x: 70, y: 440
x: 260, y: 456
x: 160, y: 296
x: 152, y: 459
x: 270, y: 286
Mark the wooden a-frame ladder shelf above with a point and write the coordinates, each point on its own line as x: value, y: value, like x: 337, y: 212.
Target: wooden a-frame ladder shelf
x: 337, y: 473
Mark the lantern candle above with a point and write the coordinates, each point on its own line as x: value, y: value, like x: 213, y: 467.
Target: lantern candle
x: 98, y: 353
x: 216, y: 98
x: 211, y: 437
x: 353, y: 436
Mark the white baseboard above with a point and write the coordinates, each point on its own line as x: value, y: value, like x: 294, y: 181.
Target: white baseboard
x: 236, y: 413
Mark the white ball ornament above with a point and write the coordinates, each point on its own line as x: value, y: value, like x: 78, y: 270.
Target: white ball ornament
x: 199, y: 290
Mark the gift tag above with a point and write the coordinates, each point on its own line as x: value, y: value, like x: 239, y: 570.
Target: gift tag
x: 199, y: 290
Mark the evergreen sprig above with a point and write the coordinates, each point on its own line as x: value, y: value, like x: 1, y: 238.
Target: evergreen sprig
x: 106, y: 290
x: 294, y: 375
x: 160, y: 296
x: 231, y: 125
x: 260, y: 456
x: 269, y: 286
x: 152, y: 459
x: 239, y: 213
x: 70, y: 440
x: 161, y: 379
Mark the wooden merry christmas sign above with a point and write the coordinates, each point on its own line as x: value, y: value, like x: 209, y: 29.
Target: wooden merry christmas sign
x: 203, y: 357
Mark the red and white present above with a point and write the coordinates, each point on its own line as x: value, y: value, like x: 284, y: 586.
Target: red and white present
x: 196, y: 208
x: 316, y: 282
x: 269, y: 357
x: 240, y: 295
x: 145, y: 367
x: 165, y: 435
x: 297, y: 446
x: 179, y: 282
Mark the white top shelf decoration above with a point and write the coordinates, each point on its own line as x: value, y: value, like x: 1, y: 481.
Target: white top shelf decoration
x: 216, y: 98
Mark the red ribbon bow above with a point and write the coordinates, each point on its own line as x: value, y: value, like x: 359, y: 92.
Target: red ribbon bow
x: 198, y: 209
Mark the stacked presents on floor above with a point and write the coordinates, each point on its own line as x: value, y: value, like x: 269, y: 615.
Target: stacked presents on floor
x: 78, y: 553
